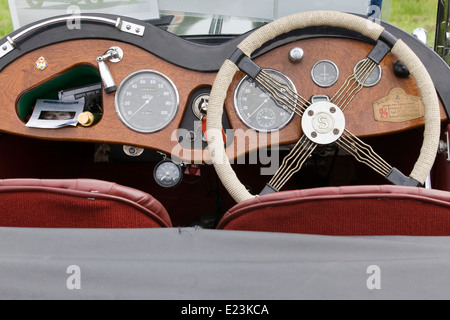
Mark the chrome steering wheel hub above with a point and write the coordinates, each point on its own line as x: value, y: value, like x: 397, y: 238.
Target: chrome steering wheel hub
x: 323, y: 122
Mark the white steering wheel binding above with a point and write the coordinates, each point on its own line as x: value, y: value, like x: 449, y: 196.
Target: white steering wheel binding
x: 240, y: 60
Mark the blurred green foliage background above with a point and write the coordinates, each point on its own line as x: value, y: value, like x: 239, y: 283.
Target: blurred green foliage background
x: 5, y: 20
x: 410, y: 14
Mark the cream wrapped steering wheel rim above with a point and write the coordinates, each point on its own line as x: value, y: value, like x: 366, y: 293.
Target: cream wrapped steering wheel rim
x: 278, y: 27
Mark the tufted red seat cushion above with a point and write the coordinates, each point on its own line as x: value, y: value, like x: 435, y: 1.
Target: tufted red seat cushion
x: 77, y: 203
x: 349, y: 210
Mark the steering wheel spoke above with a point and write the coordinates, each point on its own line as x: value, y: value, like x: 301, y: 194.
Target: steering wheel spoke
x: 291, y: 164
x: 282, y: 93
x: 279, y: 91
x: 353, y: 84
x: 363, y: 153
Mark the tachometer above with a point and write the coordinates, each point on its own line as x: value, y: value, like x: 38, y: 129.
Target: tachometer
x: 256, y: 107
x: 147, y: 101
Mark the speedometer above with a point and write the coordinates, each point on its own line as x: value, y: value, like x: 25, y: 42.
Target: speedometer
x: 256, y: 107
x: 147, y: 101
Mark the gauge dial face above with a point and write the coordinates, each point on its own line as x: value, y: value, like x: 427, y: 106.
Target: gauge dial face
x: 147, y: 101
x: 167, y: 174
x: 325, y: 73
x: 256, y: 107
x: 373, y: 78
x: 265, y: 118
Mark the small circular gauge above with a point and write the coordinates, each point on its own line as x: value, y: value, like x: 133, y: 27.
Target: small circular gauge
x: 265, y: 118
x: 325, y: 73
x: 147, y: 101
x: 256, y: 107
x: 373, y: 78
x: 167, y: 174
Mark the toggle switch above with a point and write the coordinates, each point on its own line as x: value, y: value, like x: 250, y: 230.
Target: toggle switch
x: 114, y: 55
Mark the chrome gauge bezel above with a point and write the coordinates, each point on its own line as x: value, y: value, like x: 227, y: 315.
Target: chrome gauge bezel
x: 380, y: 72
x: 321, y: 83
x: 175, y: 167
x: 172, y: 87
x: 240, y: 116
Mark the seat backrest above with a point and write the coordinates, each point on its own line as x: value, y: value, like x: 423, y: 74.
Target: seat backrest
x: 77, y: 203
x: 350, y: 210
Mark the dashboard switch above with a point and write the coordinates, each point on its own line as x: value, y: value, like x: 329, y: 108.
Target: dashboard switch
x: 114, y: 55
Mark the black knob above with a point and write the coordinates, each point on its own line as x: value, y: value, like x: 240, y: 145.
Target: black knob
x: 401, y: 70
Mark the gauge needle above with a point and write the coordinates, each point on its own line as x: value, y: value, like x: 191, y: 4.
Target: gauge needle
x: 324, y: 74
x: 264, y: 102
x: 166, y: 175
x: 146, y: 103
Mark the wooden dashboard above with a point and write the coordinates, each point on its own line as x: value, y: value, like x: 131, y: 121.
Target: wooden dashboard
x: 21, y: 77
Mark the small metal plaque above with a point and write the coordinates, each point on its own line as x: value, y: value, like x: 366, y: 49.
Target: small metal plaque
x: 398, y: 107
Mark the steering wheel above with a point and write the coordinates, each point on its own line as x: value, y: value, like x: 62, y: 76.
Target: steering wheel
x: 322, y: 122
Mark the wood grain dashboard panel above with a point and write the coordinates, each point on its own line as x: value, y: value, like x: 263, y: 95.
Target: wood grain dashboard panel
x: 21, y: 76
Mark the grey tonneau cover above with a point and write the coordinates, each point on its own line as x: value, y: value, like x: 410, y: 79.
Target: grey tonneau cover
x: 191, y: 263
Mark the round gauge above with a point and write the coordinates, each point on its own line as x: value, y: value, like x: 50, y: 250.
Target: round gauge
x: 256, y: 107
x: 325, y: 73
x: 147, y: 101
x: 167, y: 174
x: 265, y: 118
x: 373, y: 78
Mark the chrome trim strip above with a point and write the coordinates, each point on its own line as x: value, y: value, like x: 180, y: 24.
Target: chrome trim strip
x: 122, y: 25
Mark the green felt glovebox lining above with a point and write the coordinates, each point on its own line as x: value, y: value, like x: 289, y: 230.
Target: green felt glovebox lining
x: 79, y: 76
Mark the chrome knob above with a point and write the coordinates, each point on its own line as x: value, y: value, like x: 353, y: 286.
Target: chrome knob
x: 296, y: 54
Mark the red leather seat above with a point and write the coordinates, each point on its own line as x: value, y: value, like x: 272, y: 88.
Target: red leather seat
x: 78, y: 203
x: 350, y: 210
